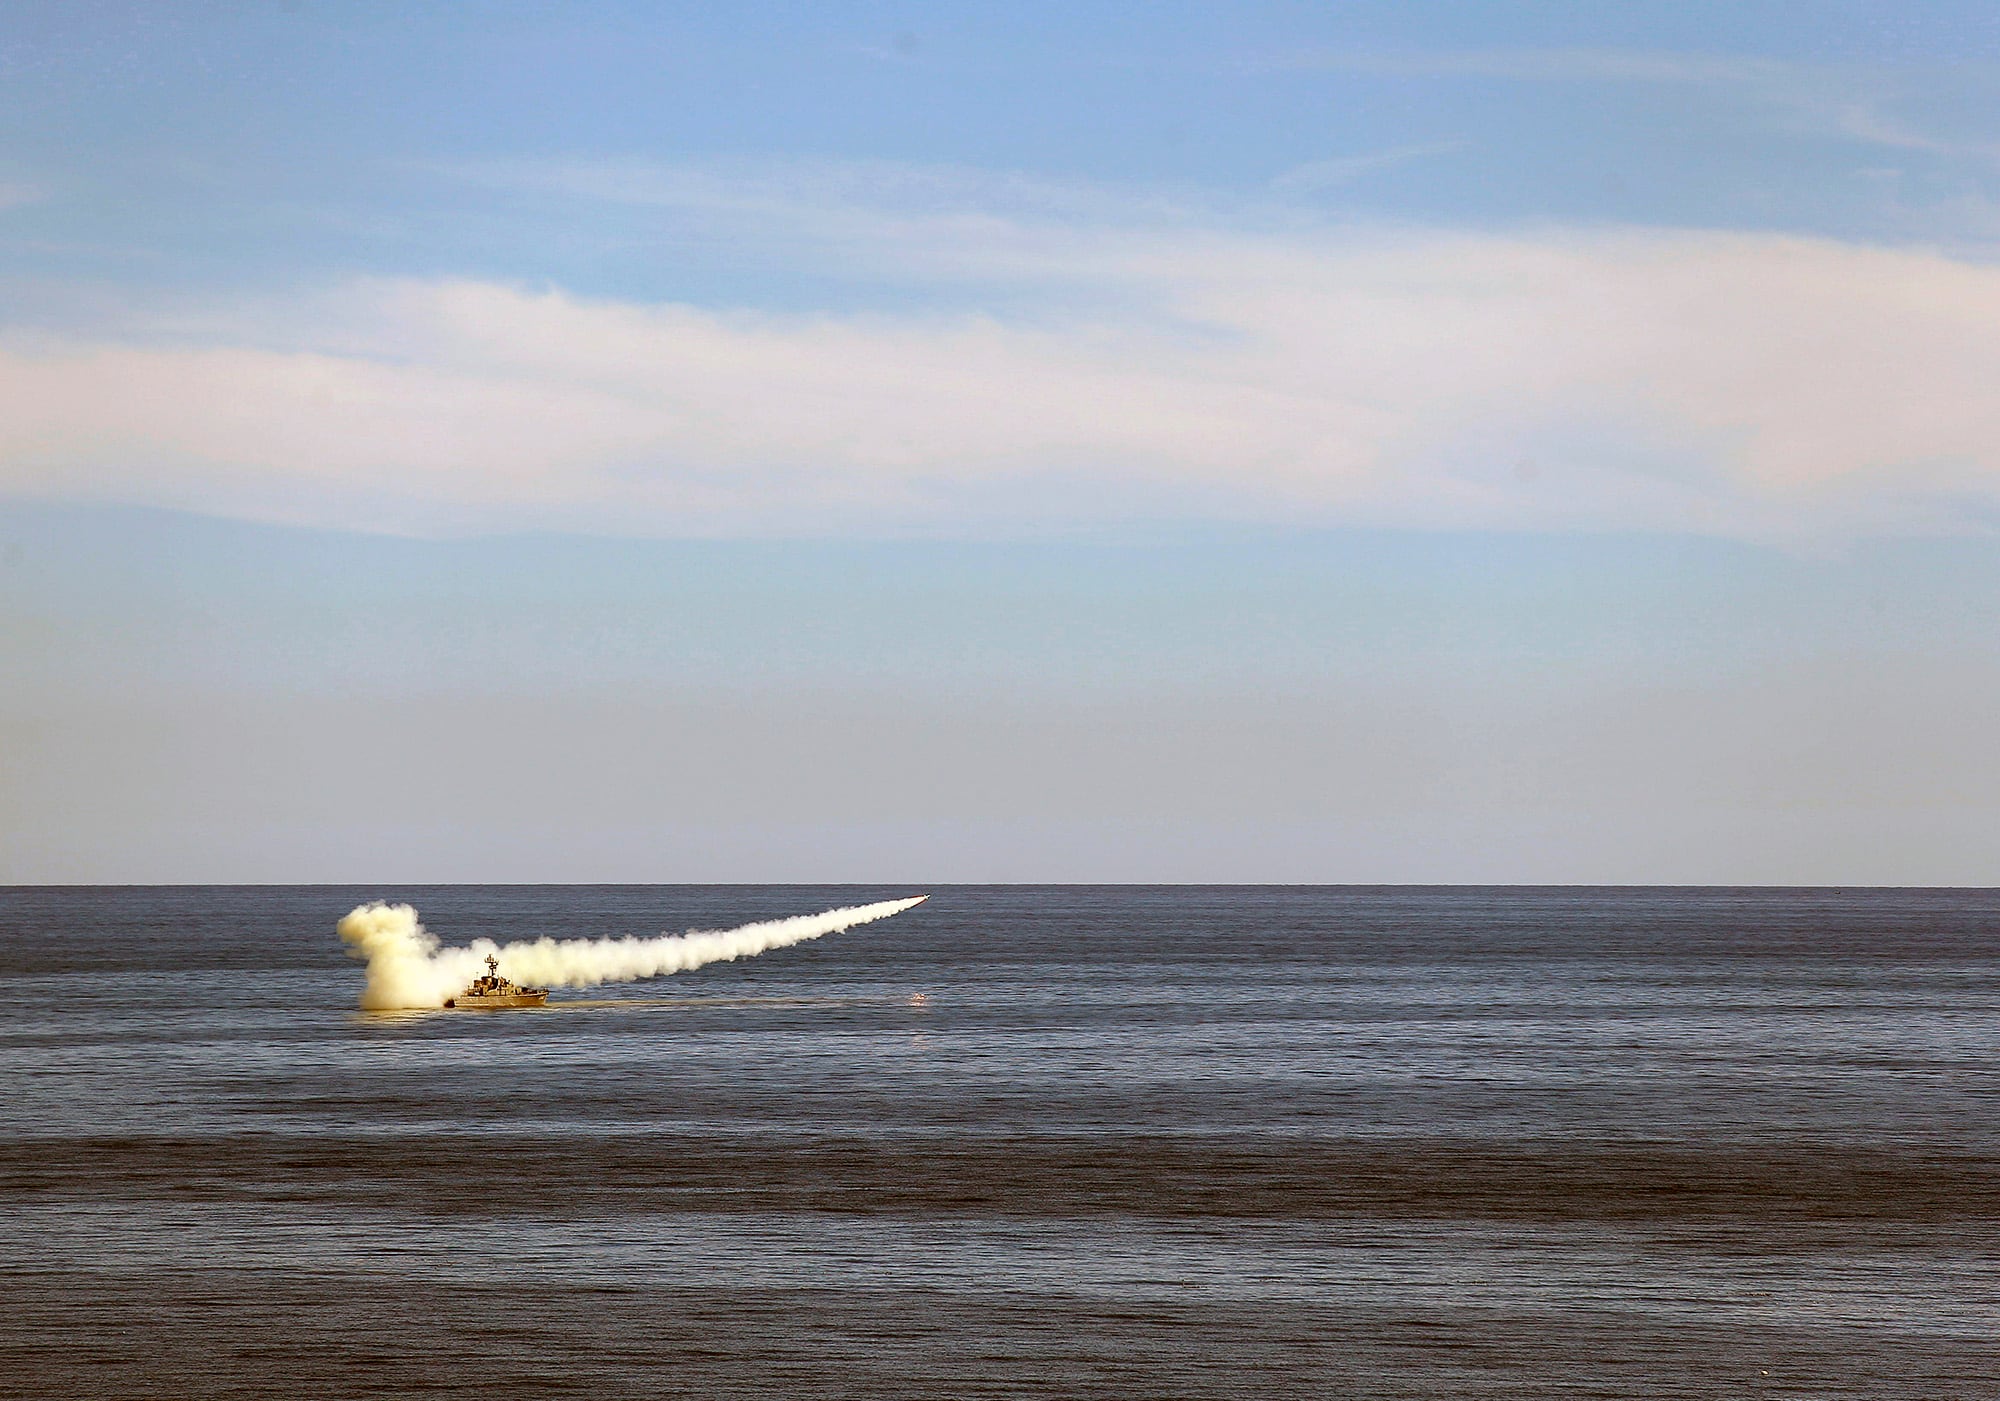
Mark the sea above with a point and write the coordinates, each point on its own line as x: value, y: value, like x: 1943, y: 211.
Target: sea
x: 1020, y: 1141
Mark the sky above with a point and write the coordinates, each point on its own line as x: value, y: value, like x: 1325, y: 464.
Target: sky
x: 1413, y: 442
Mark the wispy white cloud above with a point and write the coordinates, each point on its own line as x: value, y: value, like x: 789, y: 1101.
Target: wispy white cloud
x: 904, y: 47
x: 907, y: 223
x: 865, y: 198
x: 1845, y: 103
x: 1328, y: 174
x: 1742, y: 385
x: 1536, y: 65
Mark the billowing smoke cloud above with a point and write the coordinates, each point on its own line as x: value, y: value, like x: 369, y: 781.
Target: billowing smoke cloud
x: 407, y: 968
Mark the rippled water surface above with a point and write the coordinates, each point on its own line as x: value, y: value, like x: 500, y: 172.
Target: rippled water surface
x: 1020, y: 1141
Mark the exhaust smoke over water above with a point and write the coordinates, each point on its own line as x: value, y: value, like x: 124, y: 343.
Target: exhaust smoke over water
x: 408, y: 970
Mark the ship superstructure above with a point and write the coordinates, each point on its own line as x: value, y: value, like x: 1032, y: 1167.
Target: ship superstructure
x: 495, y: 991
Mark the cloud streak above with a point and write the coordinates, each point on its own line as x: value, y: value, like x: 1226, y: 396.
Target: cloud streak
x: 1845, y: 104
x: 1154, y: 371
x: 1328, y: 174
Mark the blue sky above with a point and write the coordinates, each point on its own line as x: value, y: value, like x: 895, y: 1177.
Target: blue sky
x: 219, y: 143
x: 645, y: 442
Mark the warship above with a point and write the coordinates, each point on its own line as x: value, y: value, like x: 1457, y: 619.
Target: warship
x: 495, y: 991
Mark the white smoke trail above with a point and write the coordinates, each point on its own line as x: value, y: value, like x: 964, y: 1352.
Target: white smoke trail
x: 407, y: 969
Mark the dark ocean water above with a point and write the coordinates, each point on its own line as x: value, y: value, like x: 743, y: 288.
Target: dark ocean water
x: 1131, y: 1142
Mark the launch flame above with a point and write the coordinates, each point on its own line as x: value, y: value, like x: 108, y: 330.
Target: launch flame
x: 407, y: 968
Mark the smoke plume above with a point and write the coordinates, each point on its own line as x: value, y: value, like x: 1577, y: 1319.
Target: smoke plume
x: 407, y: 968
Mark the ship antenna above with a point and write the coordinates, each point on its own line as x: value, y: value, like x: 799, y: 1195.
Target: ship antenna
x: 492, y: 964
